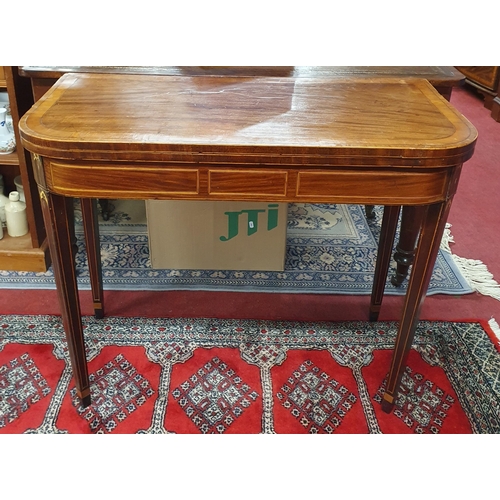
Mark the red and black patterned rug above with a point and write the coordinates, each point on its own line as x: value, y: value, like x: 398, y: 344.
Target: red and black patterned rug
x: 247, y: 377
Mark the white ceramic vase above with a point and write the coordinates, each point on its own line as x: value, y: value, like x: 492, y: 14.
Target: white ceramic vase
x: 7, y: 140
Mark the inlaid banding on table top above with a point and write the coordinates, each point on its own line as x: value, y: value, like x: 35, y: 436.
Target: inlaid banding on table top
x: 152, y: 118
x: 68, y: 179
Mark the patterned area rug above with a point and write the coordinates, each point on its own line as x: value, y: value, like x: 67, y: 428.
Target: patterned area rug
x: 330, y: 249
x: 246, y: 377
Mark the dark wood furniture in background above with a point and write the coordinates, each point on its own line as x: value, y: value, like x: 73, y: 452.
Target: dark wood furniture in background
x: 443, y: 78
x: 486, y: 79
x: 29, y: 252
x: 259, y: 139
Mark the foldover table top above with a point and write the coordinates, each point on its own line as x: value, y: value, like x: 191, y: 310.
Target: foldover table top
x: 216, y: 120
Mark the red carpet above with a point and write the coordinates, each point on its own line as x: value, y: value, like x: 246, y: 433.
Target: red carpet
x: 474, y: 217
x: 246, y: 377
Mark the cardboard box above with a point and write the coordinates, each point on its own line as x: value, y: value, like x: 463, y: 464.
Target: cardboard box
x: 219, y: 235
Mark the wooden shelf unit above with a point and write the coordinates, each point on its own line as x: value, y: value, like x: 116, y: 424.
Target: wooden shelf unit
x: 29, y: 252
x: 9, y: 159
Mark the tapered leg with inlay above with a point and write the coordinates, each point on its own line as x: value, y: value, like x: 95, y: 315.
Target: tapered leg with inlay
x: 58, y: 226
x: 427, y: 250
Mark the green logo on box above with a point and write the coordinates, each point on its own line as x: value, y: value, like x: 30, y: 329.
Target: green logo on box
x: 233, y: 219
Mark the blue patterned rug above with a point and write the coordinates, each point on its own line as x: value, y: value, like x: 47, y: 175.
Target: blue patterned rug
x: 330, y: 249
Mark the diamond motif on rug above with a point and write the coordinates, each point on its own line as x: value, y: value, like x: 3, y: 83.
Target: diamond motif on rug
x: 315, y: 399
x: 21, y: 386
x: 420, y: 404
x: 116, y: 391
x: 214, y: 397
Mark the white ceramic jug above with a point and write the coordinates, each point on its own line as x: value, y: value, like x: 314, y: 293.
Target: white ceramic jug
x: 15, y: 213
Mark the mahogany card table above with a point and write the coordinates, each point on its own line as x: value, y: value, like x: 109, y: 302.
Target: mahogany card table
x: 443, y: 78
x: 380, y: 141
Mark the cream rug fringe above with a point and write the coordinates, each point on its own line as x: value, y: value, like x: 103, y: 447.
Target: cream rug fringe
x: 474, y: 271
x: 495, y: 327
